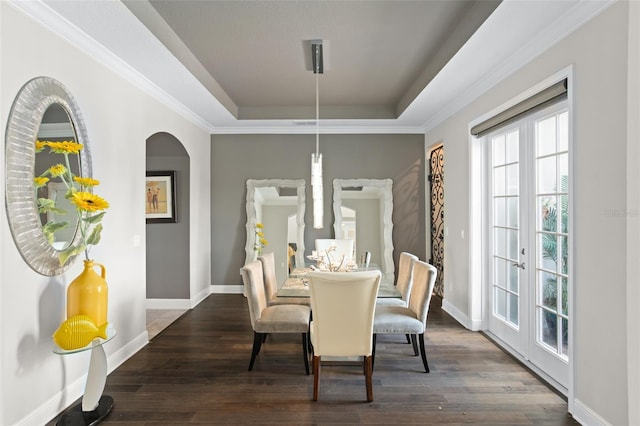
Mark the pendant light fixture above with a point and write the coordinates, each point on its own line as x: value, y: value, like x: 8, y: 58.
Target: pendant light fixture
x: 316, y: 158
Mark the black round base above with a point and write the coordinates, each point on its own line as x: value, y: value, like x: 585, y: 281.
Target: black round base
x: 76, y: 417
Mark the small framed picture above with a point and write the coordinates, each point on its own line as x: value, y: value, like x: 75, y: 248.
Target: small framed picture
x: 160, y: 197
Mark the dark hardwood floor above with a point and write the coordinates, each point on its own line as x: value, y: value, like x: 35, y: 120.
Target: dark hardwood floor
x: 195, y: 372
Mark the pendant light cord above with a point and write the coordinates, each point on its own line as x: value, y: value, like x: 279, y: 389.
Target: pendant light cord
x: 317, y: 101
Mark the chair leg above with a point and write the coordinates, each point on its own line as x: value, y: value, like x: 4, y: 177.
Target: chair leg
x: 316, y: 377
x: 264, y: 337
x: 368, y: 368
x: 305, y: 353
x: 415, y: 344
x: 408, y: 336
x: 373, y: 352
x: 258, y: 338
x: 423, y: 353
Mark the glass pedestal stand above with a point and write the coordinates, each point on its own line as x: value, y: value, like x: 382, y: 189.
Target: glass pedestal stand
x: 94, y: 406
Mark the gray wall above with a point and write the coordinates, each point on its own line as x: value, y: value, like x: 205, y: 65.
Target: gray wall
x: 236, y: 158
x: 168, y: 243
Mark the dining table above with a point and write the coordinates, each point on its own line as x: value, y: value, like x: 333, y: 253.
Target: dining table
x: 296, y: 284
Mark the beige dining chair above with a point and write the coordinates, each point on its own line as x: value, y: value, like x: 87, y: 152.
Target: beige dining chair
x: 403, y: 284
x: 266, y: 319
x: 268, y: 261
x: 404, y: 281
x: 412, y: 319
x: 343, y: 304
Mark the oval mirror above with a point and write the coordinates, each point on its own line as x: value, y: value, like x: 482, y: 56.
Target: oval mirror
x: 56, y: 126
x: 363, y: 211
x: 26, y: 120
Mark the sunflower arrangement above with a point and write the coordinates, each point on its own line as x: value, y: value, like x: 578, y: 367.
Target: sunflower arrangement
x: 260, y: 239
x: 90, y: 208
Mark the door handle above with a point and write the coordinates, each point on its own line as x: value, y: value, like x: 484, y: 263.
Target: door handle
x: 518, y: 265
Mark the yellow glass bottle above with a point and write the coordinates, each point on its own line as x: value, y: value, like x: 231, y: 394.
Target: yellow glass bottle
x: 88, y: 294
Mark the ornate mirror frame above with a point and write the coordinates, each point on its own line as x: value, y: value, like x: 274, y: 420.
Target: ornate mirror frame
x: 23, y: 124
x: 386, y: 244
x: 252, y: 184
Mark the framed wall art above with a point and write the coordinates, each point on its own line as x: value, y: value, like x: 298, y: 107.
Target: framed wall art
x: 160, y: 197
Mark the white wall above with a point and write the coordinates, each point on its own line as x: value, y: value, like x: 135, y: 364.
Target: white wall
x: 35, y: 383
x: 598, y: 52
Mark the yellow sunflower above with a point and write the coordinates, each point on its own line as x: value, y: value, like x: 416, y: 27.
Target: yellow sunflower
x: 40, y: 181
x: 259, y: 225
x: 40, y: 145
x: 85, y: 181
x: 65, y: 147
x: 57, y: 170
x: 88, y: 202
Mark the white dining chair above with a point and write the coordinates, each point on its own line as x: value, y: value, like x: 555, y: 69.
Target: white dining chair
x: 271, y: 283
x: 411, y: 319
x: 266, y: 319
x: 343, y: 304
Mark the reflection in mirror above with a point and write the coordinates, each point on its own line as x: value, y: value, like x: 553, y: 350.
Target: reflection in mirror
x: 25, y: 125
x: 277, y: 204
x: 363, y: 209
x: 56, y: 126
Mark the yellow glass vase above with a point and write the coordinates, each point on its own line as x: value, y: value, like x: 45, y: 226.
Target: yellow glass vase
x: 88, y: 294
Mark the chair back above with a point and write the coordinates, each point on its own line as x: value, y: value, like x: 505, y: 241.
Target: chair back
x: 342, y: 247
x: 342, y: 306
x: 424, y: 279
x: 254, y: 288
x: 268, y: 261
x: 405, y: 274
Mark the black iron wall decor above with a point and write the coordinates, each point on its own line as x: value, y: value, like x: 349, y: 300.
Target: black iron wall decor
x: 436, y: 182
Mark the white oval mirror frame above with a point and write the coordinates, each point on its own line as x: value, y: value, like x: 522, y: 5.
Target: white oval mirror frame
x: 252, y: 184
x: 23, y: 124
x: 386, y: 211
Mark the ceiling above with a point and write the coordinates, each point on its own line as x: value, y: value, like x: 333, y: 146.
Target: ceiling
x: 244, y: 66
x: 378, y: 55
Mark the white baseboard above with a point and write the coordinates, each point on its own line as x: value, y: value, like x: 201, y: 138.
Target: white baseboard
x: 227, y: 289
x: 586, y: 416
x: 460, y: 316
x: 72, y: 392
x: 195, y: 300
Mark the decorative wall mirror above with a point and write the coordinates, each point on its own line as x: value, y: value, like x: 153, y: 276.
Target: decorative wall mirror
x: 362, y: 209
x: 43, y: 108
x: 278, y: 205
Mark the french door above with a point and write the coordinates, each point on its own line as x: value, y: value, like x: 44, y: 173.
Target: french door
x: 529, y: 238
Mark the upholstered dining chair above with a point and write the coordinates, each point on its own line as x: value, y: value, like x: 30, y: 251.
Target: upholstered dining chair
x: 272, y: 319
x: 343, y: 304
x: 404, y: 281
x: 411, y: 319
x: 403, y: 284
x: 268, y: 261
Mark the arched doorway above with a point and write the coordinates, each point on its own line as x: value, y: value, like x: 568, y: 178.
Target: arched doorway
x: 167, y: 243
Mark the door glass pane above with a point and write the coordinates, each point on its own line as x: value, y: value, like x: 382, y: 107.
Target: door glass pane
x: 513, y: 309
x: 513, y: 278
x: 563, y: 131
x: 500, y: 246
x: 546, y: 136
x: 512, y: 212
x: 547, y: 213
x: 500, y: 272
x: 565, y: 295
x: 513, y: 145
x: 499, y: 211
x: 565, y: 336
x: 498, y: 148
x: 549, y: 285
x: 499, y: 181
x: 500, y: 304
x: 546, y: 173
x: 549, y: 328
x: 512, y: 182
x: 512, y: 235
x: 547, y: 243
